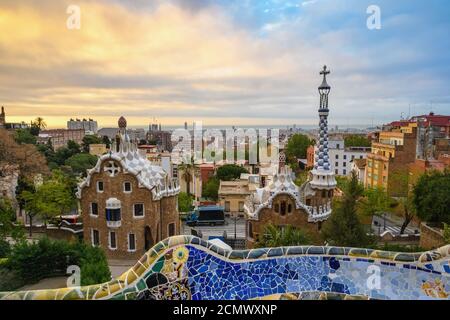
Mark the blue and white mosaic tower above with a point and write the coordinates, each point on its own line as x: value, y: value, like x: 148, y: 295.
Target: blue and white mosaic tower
x: 322, y: 175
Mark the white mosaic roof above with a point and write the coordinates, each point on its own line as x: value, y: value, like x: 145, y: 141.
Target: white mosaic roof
x: 133, y: 162
x: 283, y: 183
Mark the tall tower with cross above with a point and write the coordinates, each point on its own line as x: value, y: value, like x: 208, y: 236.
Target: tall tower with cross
x: 322, y: 174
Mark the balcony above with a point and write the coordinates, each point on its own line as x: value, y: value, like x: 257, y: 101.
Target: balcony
x: 113, y: 224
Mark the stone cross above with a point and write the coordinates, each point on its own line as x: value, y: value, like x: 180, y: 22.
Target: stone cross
x: 112, y: 169
x: 324, y: 72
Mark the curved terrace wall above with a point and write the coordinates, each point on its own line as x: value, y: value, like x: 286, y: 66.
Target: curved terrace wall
x: 187, y: 267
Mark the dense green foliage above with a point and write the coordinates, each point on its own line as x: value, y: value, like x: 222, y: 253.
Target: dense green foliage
x: 5, y: 248
x: 88, y: 140
x: 32, y: 262
x: 397, y: 247
x: 185, y: 202
x: 447, y: 233
x: 275, y: 236
x: 432, y: 197
x: 230, y: 172
x: 211, y: 189
x: 81, y: 162
x: 343, y: 228
x: 53, y: 198
x: 357, y: 140
x: 8, y: 226
x: 106, y: 141
x: 375, y: 202
x: 24, y: 136
x: 297, y: 146
x: 301, y: 178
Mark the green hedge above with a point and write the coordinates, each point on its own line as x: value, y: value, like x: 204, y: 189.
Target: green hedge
x: 46, y: 258
x: 5, y: 248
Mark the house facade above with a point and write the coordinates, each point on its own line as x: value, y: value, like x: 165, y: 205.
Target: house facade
x: 127, y: 204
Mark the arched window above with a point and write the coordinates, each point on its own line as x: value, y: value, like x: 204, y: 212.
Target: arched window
x: 277, y: 207
x: 283, y: 208
x: 289, y: 208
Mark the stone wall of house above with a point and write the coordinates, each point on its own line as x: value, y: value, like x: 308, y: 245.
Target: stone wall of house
x: 113, y: 188
x: 9, y: 177
x: 430, y: 238
x: 297, y: 218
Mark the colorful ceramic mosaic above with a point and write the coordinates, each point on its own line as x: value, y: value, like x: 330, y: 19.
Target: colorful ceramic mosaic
x: 186, y: 267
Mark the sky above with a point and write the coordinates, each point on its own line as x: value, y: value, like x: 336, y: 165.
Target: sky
x: 223, y: 62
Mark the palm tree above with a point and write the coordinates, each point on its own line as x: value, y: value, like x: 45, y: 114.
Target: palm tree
x: 190, y: 170
x: 275, y: 236
x: 40, y: 123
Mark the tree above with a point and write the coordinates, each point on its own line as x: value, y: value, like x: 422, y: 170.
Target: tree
x: 185, y: 202
x: 26, y: 156
x: 34, y: 129
x: 357, y: 140
x: 53, y: 198
x: 297, y: 146
x: 447, y: 233
x: 302, y: 177
x: 81, y: 162
x: 64, y: 153
x: 40, y: 123
x: 211, y: 188
x: 275, y: 236
x: 230, y: 172
x: 408, y: 212
x: 24, y: 136
x: 88, y: 140
x: 189, y: 170
x: 431, y: 197
x: 8, y: 227
x: 375, y: 201
x: 343, y: 228
x: 106, y: 141
x: 30, y: 204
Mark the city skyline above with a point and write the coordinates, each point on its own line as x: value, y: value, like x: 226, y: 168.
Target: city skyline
x: 222, y: 62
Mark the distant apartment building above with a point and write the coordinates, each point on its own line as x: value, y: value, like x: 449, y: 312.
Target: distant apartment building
x: 421, y: 166
x: 60, y: 137
x: 392, y: 152
x: 88, y: 125
x: 161, y: 138
x: 341, y: 157
x: 433, y: 134
x: 358, y: 166
x: 232, y: 194
x: 108, y: 132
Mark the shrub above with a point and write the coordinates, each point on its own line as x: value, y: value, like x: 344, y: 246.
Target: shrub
x: 10, y: 280
x: 46, y: 258
x: 5, y: 248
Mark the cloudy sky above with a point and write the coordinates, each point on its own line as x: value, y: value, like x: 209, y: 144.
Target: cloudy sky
x: 224, y: 62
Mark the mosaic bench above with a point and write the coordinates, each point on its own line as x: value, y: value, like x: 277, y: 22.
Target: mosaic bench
x: 186, y: 267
